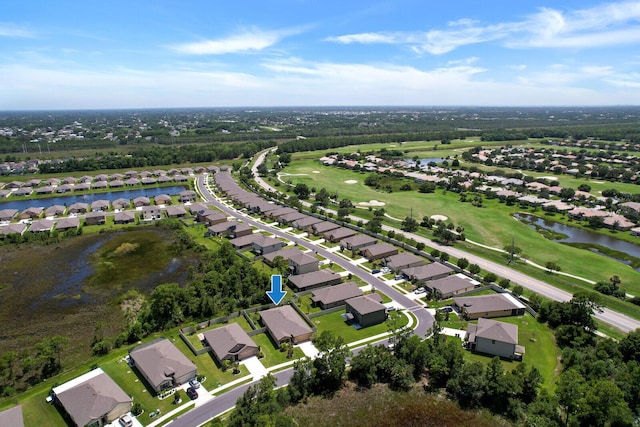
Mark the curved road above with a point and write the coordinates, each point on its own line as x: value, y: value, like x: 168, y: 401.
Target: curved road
x: 227, y: 400
x: 613, y: 318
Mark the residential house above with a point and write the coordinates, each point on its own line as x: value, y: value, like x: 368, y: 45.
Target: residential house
x: 78, y: 208
x: 116, y: 183
x: 8, y: 214
x: 31, y: 213
x: 305, y: 222
x: 162, y: 364
x: 177, y: 211
x: 65, y: 188
x: 333, y: 296
x: 239, y: 229
x: 92, y: 399
x: 495, y: 305
x: 151, y: 213
x: 285, y: 253
x: 230, y: 342
x: 187, y: 196
x: 47, y: 189
x: 403, y: 260
x: 95, y: 218
x: 267, y: 245
x: 313, y: 280
x: 14, y: 228
x: 141, y: 201
x: 495, y: 338
x: 81, y: 187
x: 451, y: 285
x: 280, y: 212
x: 424, y: 273
x: 41, y: 226
x: 301, y: 263
x: 100, y: 185
x: 132, y: 182
x: 69, y: 223
x: 338, y: 234
x: 290, y: 217
x: 244, y: 242
x: 100, y: 205
x: 121, y: 204
x: 12, y: 417
x: 366, y: 310
x: 124, y: 217
x: 148, y: 180
x: 322, y: 227
x: 162, y: 199
x: 285, y: 324
x: 23, y: 191
x: 378, y: 251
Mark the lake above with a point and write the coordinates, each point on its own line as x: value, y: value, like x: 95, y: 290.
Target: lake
x: 23, y: 203
x: 425, y: 162
x: 579, y: 235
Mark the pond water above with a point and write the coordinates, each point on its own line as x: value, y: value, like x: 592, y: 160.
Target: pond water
x: 579, y: 235
x: 22, y: 204
x: 426, y: 161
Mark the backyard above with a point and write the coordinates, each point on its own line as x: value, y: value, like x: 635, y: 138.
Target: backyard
x: 335, y: 323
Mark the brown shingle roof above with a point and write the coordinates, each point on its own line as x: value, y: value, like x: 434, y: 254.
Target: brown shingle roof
x: 488, y: 303
x: 366, y: 304
x: 228, y: 340
x: 314, y: 278
x: 90, y: 396
x: 332, y: 294
x: 284, y: 322
x: 493, y: 330
x: 161, y: 360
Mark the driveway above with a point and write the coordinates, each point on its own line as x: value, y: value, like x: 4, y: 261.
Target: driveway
x: 255, y: 367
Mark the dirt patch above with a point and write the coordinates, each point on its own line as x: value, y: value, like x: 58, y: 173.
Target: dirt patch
x: 315, y: 171
x: 439, y: 217
x: 351, y: 181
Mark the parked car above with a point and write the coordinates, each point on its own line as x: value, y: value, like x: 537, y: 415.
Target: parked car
x: 419, y: 290
x: 385, y: 270
x: 126, y: 421
x: 192, y: 393
x: 398, y: 277
x: 376, y: 271
x: 447, y: 309
x: 194, y: 383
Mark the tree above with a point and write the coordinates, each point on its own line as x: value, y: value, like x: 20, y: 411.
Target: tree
x: 322, y: 197
x: 490, y: 277
x: 302, y: 191
x: 444, y: 257
x: 49, y: 351
x: 517, y: 290
x: 409, y: 224
x: 474, y: 269
x: 331, y: 364
x: 280, y: 264
x: 462, y: 263
x: 467, y: 386
x: 551, y: 267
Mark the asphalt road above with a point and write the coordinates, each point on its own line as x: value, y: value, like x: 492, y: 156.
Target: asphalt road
x: 227, y: 400
x: 613, y: 318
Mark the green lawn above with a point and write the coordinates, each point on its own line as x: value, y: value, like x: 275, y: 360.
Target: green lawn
x: 492, y: 224
x: 305, y: 304
x: 272, y: 355
x: 538, y: 340
x: 335, y: 323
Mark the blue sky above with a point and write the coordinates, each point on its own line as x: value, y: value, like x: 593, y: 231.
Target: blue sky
x: 130, y: 54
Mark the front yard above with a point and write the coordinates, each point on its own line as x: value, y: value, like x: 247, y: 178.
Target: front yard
x: 335, y: 323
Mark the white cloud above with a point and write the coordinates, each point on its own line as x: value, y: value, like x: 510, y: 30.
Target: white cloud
x: 364, y: 38
x: 631, y: 80
x: 605, y: 25
x: 251, y: 40
x: 12, y: 30
x: 518, y: 67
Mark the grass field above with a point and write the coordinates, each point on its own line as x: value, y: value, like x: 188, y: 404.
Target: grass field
x: 491, y: 225
x: 272, y: 355
x: 335, y: 323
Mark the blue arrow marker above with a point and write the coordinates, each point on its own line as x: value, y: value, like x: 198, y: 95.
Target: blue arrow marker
x: 276, y: 293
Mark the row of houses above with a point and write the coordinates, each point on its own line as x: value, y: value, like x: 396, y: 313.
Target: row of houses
x: 185, y: 196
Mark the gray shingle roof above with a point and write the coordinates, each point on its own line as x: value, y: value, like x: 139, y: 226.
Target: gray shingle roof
x: 284, y: 322
x: 228, y: 340
x: 366, y: 304
x: 493, y: 330
x: 332, y: 294
x: 160, y: 360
